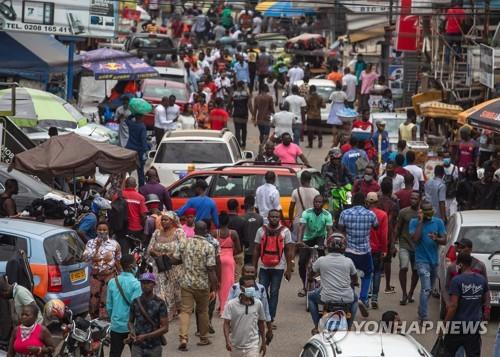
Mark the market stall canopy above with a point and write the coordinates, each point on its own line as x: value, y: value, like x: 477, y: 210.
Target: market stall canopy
x: 284, y: 9
x: 74, y: 155
x: 107, y: 63
x: 32, y: 56
x: 485, y: 115
x: 38, y: 108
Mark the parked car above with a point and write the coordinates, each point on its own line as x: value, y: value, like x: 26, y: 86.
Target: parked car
x: 144, y: 44
x: 93, y: 131
x: 30, y: 188
x: 55, y: 255
x: 356, y: 344
x: 154, y: 89
x: 482, y: 227
x: 235, y: 182
x: 202, y: 148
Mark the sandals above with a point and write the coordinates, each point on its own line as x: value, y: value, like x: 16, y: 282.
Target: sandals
x: 302, y: 293
x: 204, y: 343
x: 392, y: 290
x: 183, y: 346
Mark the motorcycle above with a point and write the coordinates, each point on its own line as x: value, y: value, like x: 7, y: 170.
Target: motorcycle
x: 339, y: 198
x: 139, y: 252
x: 84, y: 337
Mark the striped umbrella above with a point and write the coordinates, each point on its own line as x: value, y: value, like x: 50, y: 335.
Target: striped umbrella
x: 43, y: 109
x: 485, y: 115
x: 284, y: 9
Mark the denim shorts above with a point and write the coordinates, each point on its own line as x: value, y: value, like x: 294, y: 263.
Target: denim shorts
x: 406, y: 258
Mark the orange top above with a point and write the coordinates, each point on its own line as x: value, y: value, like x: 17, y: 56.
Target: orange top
x: 335, y: 76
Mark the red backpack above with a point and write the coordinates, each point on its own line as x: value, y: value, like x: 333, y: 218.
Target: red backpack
x: 272, y: 246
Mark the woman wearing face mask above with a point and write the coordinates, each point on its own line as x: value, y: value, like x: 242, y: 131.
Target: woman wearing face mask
x: 162, y: 244
x: 103, y: 254
x: 30, y: 337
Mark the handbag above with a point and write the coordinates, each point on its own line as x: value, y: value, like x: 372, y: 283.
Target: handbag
x: 163, y: 340
x: 163, y: 263
x: 438, y: 348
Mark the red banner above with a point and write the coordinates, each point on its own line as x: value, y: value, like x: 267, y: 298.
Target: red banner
x: 130, y: 14
x: 407, y: 28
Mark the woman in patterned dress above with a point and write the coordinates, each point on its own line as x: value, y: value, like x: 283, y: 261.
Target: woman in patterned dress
x: 103, y: 254
x: 163, y: 242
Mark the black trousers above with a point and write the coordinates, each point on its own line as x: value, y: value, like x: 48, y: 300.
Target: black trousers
x: 470, y: 343
x: 159, y: 135
x: 252, y: 71
x: 240, y: 131
x: 313, y: 129
x: 305, y: 255
x: 117, y: 344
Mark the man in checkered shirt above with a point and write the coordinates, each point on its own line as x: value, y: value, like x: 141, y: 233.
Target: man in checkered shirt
x: 356, y: 223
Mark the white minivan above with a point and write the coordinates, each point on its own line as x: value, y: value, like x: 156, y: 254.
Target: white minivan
x: 202, y: 148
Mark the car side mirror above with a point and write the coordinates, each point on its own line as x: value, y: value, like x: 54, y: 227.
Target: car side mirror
x: 151, y: 154
x: 249, y: 155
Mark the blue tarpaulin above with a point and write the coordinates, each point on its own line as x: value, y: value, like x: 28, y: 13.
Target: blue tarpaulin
x: 31, y: 56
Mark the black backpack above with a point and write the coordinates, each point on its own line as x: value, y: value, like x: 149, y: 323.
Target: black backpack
x: 451, y: 184
x: 118, y: 215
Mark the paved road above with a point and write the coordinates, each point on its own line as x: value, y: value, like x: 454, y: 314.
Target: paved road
x: 294, y: 323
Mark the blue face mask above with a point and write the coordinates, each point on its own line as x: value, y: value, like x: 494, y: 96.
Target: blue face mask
x: 447, y: 161
x: 249, y: 292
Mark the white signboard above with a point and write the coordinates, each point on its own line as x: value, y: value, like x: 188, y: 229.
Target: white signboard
x: 367, y: 6
x: 487, y: 66
x: 82, y: 18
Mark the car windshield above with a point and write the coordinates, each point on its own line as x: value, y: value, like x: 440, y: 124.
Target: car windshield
x: 193, y: 152
x: 325, y: 92
x: 64, y: 249
x: 151, y: 42
x: 484, y: 239
x: 160, y: 92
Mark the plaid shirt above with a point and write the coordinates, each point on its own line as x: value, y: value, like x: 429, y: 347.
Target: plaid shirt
x: 357, y: 222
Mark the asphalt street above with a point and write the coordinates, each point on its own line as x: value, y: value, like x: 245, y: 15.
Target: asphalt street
x: 294, y: 323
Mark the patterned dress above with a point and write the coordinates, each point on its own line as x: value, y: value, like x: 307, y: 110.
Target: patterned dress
x: 168, y: 286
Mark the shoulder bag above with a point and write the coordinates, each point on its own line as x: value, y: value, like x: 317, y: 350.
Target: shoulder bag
x: 120, y: 289
x: 163, y: 340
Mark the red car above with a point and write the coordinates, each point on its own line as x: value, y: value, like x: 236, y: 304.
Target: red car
x: 155, y: 89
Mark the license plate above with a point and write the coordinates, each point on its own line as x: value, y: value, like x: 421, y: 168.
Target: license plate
x: 77, y: 275
x: 495, y: 296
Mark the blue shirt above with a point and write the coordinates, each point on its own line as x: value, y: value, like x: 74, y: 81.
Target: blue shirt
x: 426, y: 250
x: 205, y: 209
x: 358, y: 222
x: 87, y: 226
x: 117, y: 308
x: 260, y: 293
x: 349, y: 159
x: 137, y: 137
x: 241, y: 72
x: 470, y: 289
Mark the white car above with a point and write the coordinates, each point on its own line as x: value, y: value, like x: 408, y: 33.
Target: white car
x: 356, y: 344
x: 324, y: 88
x: 201, y: 148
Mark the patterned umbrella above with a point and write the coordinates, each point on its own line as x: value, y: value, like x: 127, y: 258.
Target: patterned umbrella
x: 107, y: 63
x: 284, y: 9
x: 485, y: 115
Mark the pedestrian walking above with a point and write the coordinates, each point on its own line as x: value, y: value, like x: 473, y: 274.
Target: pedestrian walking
x: 263, y: 108
x: 398, y: 181
x: 337, y: 98
x: 313, y: 124
x: 366, y: 184
x: 122, y: 290
x: 241, y: 106
x: 136, y: 213
x: 274, y: 249
x: 302, y: 199
x: 450, y: 179
x: 253, y: 221
x: 148, y: 320
x: 267, y: 196
x: 205, y: 206
x: 237, y: 224
x: 297, y: 106
x: 349, y: 85
x: 435, y: 193
x: 198, y: 283
x: 428, y: 232
x: 282, y: 122
x: 244, y: 322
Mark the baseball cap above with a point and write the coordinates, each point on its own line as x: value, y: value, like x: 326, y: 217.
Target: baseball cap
x: 372, y: 197
x: 381, y: 122
x: 148, y: 277
x: 465, y: 242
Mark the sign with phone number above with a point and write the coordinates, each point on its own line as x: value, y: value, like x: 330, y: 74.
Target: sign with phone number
x: 83, y: 18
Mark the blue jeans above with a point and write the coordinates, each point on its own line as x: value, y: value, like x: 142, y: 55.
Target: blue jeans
x: 427, y: 274
x: 271, y: 280
x: 315, y: 299
x: 364, y: 263
x: 297, y: 132
x: 378, y: 268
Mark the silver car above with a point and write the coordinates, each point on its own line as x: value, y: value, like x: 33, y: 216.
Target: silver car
x: 482, y: 227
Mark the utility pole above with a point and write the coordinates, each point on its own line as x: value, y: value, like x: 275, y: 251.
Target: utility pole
x: 486, y: 31
x: 386, y: 47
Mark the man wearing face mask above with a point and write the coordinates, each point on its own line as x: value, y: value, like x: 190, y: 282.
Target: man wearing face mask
x: 398, y: 181
x: 121, y: 291
x: 428, y: 232
x: 366, y: 184
x: 334, y: 172
x: 244, y: 319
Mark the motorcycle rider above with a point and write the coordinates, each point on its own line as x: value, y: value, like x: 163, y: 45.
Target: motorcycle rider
x: 338, y: 276
x: 334, y: 172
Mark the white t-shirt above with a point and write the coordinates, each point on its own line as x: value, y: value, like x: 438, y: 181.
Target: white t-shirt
x: 267, y: 197
x: 172, y: 113
x: 307, y: 194
x: 417, y: 173
x: 282, y: 122
x: 338, y: 96
x: 244, y: 323
x: 186, y: 122
x: 398, y: 182
x: 295, y: 74
x: 257, y: 25
x: 160, y: 116
x: 296, y: 103
x: 349, y: 81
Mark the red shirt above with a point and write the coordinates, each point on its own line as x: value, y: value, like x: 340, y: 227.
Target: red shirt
x: 454, y: 17
x: 211, y: 86
x: 365, y: 187
x: 363, y: 125
x: 218, y: 118
x: 404, y: 196
x: 379, y: 236
x: 136, y: 205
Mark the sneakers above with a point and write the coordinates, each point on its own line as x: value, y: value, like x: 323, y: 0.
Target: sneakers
x: 374, y: 305
x: 363, y: 309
